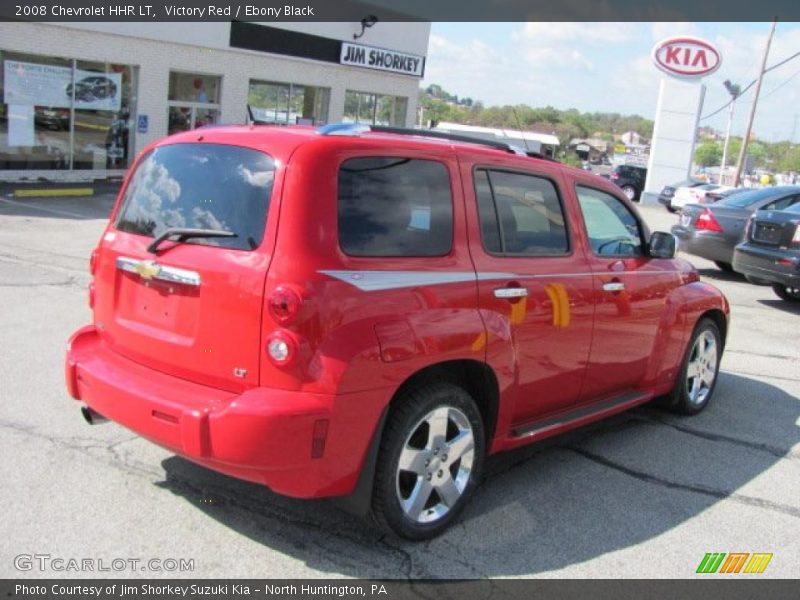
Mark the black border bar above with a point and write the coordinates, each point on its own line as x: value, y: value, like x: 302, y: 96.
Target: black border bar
x: 400, y: 10
x: 711, y: 587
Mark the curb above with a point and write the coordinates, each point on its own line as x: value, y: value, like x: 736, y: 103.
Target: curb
x: 51, y: 192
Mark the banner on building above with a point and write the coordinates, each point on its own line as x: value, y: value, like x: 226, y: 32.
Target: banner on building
x: 48, y: 85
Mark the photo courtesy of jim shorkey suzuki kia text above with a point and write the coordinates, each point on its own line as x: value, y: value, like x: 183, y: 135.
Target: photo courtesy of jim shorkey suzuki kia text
x: 127, y: 590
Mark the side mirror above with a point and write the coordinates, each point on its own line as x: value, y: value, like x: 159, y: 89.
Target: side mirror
x: 662, y: 245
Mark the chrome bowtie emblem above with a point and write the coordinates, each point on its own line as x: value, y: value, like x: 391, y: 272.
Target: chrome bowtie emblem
x: 148, y: 269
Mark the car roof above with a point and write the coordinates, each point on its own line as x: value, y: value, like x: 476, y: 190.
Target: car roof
x: 281, y: 141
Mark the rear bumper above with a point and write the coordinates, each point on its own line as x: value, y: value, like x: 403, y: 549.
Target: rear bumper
x: 708, y: 245
x: 262, y: 435
x: 767, y: 264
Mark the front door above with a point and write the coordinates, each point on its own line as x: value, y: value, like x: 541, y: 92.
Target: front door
x: 630, y: 291
x: 534, y: 288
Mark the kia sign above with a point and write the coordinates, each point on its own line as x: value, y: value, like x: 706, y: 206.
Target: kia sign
x: 686, y: 57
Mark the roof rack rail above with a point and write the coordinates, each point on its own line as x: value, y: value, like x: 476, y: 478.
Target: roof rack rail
x: 343, y: 129
x: 359, y: 128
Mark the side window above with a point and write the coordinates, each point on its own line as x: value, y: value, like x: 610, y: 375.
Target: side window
x: 520, y: 214
x: 781, y: 204
x: 390, y: 206
x: 612, y: 228
x: 490, y: 227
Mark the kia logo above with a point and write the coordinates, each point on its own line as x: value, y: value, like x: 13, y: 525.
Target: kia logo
x: 686, y: 57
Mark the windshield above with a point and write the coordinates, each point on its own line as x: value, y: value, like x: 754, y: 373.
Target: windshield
x: 200, y: 186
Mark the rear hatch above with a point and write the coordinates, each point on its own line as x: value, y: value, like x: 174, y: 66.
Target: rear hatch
x: 192, y: 306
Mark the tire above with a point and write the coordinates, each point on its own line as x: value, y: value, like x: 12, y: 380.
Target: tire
x: 786, y: 292
x: 417, y: 433
x: 699, y: 370
x: 630, y: 192
x: 724, y: 266
x: 671, y: 209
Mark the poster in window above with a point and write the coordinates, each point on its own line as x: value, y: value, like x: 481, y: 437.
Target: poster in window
x: 47, y: 85
x: 20, y: 125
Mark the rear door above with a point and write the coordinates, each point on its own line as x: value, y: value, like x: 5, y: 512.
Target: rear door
x: 191, y: 309
x: 534, y: 287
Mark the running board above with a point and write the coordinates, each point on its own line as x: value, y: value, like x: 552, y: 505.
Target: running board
x: 608, y: 407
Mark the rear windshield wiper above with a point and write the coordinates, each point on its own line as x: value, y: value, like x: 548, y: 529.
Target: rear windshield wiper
x: 182, y: 234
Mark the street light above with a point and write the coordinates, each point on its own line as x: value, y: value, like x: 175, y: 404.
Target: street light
x: 734, y: 90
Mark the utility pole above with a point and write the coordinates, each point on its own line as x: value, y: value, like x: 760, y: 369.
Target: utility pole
x: 734, y: 90
x: 746, y: 140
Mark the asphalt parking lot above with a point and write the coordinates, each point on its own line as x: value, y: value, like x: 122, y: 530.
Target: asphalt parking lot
x: 642, y: 495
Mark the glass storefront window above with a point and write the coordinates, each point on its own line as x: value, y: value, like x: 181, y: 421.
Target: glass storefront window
x: 287, y: 103
x: 375, y: 109
x: 102, y: 137
x: 61, y: 113
x: 193, y: 101
x: 194, y: 87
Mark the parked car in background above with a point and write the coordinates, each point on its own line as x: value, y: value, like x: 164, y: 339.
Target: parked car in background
x: 631, y: 179
x: 696, y: 195
x: 712, y: 231
x: 668, y: 191
x: 371, y: 311
x: 771, y: 251
x: 720, y: 193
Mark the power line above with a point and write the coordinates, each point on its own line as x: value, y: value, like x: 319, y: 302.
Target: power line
x: 751, y: 84
x: 775, y: 89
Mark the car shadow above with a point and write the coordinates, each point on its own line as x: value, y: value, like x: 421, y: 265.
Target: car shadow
x: 69, y: 207
x: 596, y: 490
x: 784, y: 305
x: 720, y: 275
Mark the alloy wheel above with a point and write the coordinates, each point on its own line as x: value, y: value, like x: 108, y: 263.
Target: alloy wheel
x: 435, y: 464
x: 702, y: 369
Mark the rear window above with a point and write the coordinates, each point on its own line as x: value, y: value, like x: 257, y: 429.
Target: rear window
x: 200, y: 186
x: 390, y: 206
x: 744, y: 199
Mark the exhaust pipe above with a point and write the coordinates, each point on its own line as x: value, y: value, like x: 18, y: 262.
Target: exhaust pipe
x: 92, y: 417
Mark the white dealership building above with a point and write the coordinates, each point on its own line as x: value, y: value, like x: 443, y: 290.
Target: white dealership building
x: 79, y: 100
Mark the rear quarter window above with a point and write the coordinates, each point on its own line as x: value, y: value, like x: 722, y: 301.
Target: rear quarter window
x: 394, y: 206
x: 201, y: 186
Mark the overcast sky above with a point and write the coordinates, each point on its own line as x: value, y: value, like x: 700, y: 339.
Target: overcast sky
x: 607, y: 67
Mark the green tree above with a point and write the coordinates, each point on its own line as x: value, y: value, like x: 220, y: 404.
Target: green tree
x: 708, y: 154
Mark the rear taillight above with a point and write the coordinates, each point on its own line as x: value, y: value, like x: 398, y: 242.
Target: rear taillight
x: 93, y: 262
x: 614, y: 175
x: 284, y: 304
x: 281, y: 348
x: 707, y: 222
x: 748, y: 227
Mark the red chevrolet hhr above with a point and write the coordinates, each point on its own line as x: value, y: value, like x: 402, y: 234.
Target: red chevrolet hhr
x: 370, y: 312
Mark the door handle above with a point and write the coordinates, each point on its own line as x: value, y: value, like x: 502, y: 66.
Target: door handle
x: 613, y: 286
x: 511, y: 292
